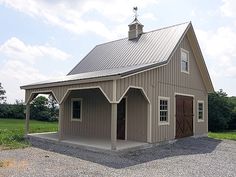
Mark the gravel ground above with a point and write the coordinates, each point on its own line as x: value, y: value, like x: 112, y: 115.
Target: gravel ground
x: 186, y: 157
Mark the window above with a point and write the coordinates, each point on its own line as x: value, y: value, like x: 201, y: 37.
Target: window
x: 184, y: 61
x: 163, y: 104
x: 200, y: 111
x: 76, y: 109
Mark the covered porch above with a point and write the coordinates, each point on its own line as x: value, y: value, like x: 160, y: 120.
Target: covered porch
x: 103, y: 120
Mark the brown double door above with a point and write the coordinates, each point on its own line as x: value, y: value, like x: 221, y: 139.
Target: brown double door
x: 121, y: 109
x: 184, y: 116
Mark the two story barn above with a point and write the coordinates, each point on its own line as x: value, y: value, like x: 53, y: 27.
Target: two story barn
x: 147, y: 88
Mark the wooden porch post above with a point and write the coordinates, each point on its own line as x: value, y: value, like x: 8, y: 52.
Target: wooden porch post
x: 113, y: 125
x: 61, y: 113
x: 27, y: 117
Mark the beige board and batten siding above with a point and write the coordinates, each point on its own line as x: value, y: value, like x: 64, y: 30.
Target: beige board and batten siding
x: 60, y: 91
x: 136, y: 116
x: 166, y: 81
x: 96, y: 115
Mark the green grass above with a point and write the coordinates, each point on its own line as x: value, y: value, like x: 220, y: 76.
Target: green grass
x: 12, y: 132
x: 230, y: 135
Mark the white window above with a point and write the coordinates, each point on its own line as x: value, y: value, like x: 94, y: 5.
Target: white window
x: 200, y: 111
x: 184, y: 61
x: 164, y: 113
x: 76, y: 109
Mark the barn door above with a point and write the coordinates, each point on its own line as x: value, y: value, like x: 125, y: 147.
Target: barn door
x: 184, y: 116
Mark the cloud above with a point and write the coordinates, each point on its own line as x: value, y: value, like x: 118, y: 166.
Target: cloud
x: 14, y: 47
x: 219, y: 47
x: 148, y: 16
x: 73, y: 15
x: 228, y: 8
x: 19, y: 62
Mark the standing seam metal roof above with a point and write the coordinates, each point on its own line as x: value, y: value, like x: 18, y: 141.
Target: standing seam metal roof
x: 150, y: 48
x: 123, y: 57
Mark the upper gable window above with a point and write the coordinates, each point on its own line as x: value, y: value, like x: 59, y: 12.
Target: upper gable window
x: 184, y: 61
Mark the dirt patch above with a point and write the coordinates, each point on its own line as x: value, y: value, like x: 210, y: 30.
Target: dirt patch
x: 11, y: 163
x: 6, y: 163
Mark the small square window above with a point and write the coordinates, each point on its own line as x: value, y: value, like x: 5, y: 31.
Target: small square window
x: 200, y: 109
x: 76, y: 109
x: 163, y: 110
x: 184, y: 61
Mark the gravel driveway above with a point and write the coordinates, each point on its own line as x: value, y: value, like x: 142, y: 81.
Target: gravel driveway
x: 186, y: 157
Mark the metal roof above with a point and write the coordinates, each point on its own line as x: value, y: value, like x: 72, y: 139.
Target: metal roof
x: 124, y: 56
x: 150, y: 48
x: 88, y: 75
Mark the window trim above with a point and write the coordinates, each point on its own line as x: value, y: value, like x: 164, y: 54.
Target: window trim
x: 203, y: 111
x: 187, y: 52
x: 168, y: 110
x: 81, y: 108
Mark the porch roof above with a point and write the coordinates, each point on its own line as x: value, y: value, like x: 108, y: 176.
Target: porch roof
x: 103, y: 75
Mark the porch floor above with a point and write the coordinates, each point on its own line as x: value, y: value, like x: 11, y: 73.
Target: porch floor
x: 88, y: 142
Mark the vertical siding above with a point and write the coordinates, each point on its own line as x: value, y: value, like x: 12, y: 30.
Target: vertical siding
x: 60, y: 91
x: 136, y: 116
x: 166, y: 81
x: 96, y: 111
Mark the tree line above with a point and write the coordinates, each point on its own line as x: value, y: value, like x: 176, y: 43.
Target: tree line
x: 221, y: 110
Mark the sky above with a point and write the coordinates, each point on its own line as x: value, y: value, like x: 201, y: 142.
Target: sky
x: 40, y: 40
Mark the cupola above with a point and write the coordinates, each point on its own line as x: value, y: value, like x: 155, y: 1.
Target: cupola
x: 135, y: 28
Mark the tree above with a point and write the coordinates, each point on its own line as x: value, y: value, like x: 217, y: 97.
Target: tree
x: 53, y: 106
x: 39, y: 109
x: 220, y: 109
x: 2, y: 94
x: 232, y: 122
x: 18, y: 109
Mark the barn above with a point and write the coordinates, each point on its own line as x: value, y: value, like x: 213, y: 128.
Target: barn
x: 148, y: 88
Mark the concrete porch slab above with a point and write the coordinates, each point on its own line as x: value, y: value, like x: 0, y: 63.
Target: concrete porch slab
x: 88, y: 143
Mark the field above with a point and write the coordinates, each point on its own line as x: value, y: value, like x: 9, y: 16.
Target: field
x: 12, y: 132
x: 230, y: 135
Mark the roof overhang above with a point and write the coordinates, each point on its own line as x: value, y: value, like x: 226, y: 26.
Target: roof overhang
x: 70, y: 82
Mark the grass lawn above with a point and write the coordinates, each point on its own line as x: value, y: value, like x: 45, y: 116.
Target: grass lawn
x: 230, y: 135
x: 12, y: 132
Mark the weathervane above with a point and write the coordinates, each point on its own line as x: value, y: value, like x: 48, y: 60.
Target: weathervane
x: 135, y: 9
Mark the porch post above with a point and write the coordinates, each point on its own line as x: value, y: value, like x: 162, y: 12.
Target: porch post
x: 61, y: 112
x: 27, y: 117
x: 113, y: 125
x: 149, y: 124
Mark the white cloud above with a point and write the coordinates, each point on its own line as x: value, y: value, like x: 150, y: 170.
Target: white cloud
x: 19, y: 62
x: 70, y: 15
x: 148, y: 16
x: 15, y: 73
x: 16, y: 48
x: 193, y: 13
x: 219, y: 48
x: 228, y: 8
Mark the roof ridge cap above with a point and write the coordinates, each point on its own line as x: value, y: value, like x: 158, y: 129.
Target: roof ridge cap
x: 145, y: 32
